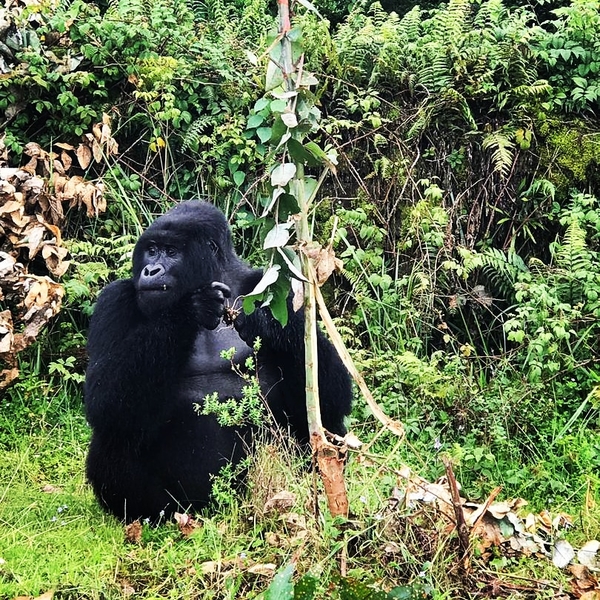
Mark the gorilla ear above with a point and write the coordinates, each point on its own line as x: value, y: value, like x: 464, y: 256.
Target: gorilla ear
x: 214, y: 247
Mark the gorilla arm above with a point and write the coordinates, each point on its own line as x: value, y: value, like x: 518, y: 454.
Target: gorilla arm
x: 285, y: 346
x: 135, y: 360
x: 132, y: 360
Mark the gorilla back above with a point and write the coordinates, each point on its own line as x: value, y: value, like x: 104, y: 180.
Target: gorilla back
x: 154, y: 349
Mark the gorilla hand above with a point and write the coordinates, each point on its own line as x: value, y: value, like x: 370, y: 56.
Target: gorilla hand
x: 208, y: 303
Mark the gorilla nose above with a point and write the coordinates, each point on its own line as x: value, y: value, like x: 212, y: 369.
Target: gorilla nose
x: 152, y: 271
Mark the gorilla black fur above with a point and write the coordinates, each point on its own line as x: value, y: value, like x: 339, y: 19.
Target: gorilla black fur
x: 154, y: 350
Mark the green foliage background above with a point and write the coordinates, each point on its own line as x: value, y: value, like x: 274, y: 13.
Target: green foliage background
x: 465, y: 203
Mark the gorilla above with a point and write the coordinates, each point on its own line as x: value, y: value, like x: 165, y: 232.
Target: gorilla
x: 154, y: 349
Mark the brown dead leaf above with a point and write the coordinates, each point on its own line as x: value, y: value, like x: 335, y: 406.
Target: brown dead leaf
x: 583, y: 582
x: 84, y: 156
x: 51, y: 489
x: 31, y: 166
x: 54, y: 257
x: 351, y: 440
x: 275, y: 539
x: 6, y: 331
x: 58, y: 167
x: 32, y: 240
x: 186, y: 524
x: 45, y: 596
x: 133, y: 532
x: 97, y: 151
x: 7, y: 188
x: 34, y: 149
x: 281, y: 502
x: 298, y: 294
x: 127, y: 589
x: 64, y: 146
x: 266, y: 569
x: 588, y: 553
x: 325, y: 262
x: 59, y: 182
x: 487, y: 533
x: 34, y: 185
x: 11, y: 206
x: 66, y: 160
x: 97, y: 131
x: 294, y: 521
x: 7, y: 376
x: 7, y: 264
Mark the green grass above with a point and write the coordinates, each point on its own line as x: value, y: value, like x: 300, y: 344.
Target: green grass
x: 54, y: 536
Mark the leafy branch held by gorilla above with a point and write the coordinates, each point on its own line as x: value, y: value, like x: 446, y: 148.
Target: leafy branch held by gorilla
x: 154, y: 351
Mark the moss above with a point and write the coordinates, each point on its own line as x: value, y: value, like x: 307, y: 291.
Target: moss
x: 570, y: 154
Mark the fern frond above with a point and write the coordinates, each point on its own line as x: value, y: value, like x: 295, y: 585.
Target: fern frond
x: 489, y: 14
x: 539, y: 88
x: 503, y: 269
x: 459, y: 100
x: 410, y: 24
x: 573, y: 254
x: 501, y: 145
x: 436, y: 75
x: 191, y: 139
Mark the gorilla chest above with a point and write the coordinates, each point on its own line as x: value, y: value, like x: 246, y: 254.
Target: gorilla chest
x: 206, y: 371
x: 206, y: 356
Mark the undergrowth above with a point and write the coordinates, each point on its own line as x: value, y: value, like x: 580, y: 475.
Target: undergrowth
x: 54, y: 536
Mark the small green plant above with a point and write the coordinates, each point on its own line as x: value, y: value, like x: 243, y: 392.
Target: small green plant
x: 251, y: 408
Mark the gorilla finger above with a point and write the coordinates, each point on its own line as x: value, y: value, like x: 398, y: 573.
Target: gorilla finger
x: 224, y: 289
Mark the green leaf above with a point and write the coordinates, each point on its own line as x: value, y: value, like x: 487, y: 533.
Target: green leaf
x: 239, y: 177
x: 254, y: 121
x: 310, y: 6
x: 289, y: 119
x: 274, y: 76
x: 293, y: 262
x: 269, y: 277
x: 264, y: 134
x: 279, y: 130
x: 276, y: 193
x: 261, y: 103
x: 285, y: 95
x: 306, y: 588
x: 310, y: 189
x: 300, y: 154
x: 278, y: 236
x: 282, y: 586
x: 282, y: 174
x: 278, y: 106
x: 279, y: 308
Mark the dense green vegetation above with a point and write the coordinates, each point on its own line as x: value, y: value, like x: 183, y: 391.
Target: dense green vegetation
x: 466, y: 209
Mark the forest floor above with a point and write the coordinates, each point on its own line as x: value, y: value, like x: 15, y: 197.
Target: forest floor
x: 56, y: 542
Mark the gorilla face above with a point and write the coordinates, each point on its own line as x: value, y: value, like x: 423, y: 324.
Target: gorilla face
x: 182, y: 252
x: 160, y: 283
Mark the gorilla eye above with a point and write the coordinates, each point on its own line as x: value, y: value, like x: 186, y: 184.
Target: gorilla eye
x: 152, y: 250
x: 171, y: 251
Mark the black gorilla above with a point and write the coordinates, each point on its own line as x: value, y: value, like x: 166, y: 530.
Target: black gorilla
x: 154, y: 351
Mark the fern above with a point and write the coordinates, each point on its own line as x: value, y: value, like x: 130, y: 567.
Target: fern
x: 502, y: 147
x: 191, y: 139
x: 573, y: 253
x: 451, y: 23
x: 410, y: 25
x: 503, y: 269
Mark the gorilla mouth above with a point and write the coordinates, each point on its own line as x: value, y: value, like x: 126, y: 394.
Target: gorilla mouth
x: 155, y: 288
